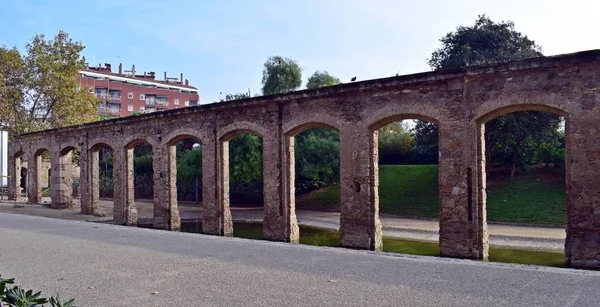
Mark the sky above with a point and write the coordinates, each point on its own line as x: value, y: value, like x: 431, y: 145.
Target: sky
x: 221, y: 46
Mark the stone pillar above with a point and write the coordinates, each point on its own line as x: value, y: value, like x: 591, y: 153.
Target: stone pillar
x: 582, y: 166
x: 94, y: 183
x: 279, y: 223
x: 463, y: 228
x: 164, y: 164
x: 61, y: 185
x: 125, y: 211
x: 212, y: 215
x: 289, y: 190
x: 360, y: 226
x: 14, y: 180
x: 119, y: 186
x: 85, y: 176
x: 34, y: 178
x: 221, y: 211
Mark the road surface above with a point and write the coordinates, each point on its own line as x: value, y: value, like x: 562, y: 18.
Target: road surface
x: 108, y: 265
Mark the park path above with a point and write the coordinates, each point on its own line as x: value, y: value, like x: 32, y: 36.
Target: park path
x: 111, y: 265
x: 530, y: 237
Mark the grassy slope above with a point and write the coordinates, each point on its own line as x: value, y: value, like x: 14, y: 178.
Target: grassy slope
x: 412, y: 190
x: 323, y: 237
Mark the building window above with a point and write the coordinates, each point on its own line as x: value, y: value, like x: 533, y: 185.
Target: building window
x: 130, y: 95
x: 142, y: 108
x: 130, y: 108
x: 187, y: 103
x: 142, y: 97
x: 176, y: 101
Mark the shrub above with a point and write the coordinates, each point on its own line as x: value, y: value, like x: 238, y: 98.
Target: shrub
x: 19, y: 297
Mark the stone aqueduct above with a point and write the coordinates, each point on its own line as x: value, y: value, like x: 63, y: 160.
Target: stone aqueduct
x: 459, y: 101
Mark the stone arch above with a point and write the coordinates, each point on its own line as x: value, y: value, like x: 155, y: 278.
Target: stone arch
x: 181, y: 134
x: 18, y: 180
x: 67, y: 148
x: 291, y: 130
x: 20, y: 153
x: 391, y: 112
x: 224, y: 136
x: 513, y: 102
x: 34, y: 170
x: 378, y: 123
x: 131, y: 142
x: 490, y: 110
x: 378, y: 120
x: 96, y: 144
x: 94, y: 175
x: 228, y: 132
x: 41, y: 150
x: 173, y: 220
x: 297, y: 125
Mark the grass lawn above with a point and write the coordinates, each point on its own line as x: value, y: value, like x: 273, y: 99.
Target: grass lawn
x: 412, y: 191
x: 325, y: 237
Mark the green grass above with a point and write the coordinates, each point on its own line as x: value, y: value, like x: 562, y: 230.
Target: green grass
x: 325, y: 237
x: 325, y: 199
x: 528, y: 199
x: 412, y: 191
x: 409, y: 190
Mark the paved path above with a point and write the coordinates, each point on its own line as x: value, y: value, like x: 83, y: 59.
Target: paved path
x: 108, y: 265
x: 539, y: 238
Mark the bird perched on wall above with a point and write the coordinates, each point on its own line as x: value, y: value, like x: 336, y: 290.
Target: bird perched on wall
x: 353, y: 79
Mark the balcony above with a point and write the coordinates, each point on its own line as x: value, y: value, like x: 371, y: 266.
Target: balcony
x: 114, y: 96
x: 162, y: 102
x: 150, y: 100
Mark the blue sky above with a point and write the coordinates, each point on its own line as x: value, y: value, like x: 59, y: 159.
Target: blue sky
x: 220, y: 46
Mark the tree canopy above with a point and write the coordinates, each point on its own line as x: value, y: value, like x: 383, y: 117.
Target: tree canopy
x: 486, y: 42
x: 40, y: 88
x: 321, y: 79
x: 281, y: 75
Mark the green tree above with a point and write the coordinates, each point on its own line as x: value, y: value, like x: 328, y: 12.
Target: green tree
x: 426, y: 142
x: 40, y: 89
x: 519, y: 138
x: 317, y: 158
x: 321, y: 79
x: 281, y: 75
x: 488, y: 42
x: 237, y: 96
x: 396, y: 143
x: 245, y: 158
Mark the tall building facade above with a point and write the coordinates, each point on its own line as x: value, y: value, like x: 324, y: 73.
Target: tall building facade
x: 124, y: 92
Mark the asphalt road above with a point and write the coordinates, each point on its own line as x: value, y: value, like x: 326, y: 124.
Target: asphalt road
x: 107, y: 265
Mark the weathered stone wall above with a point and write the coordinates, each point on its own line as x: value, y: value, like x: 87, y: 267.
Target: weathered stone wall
x: 458, y: 101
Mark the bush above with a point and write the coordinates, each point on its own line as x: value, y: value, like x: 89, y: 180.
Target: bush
x: 18, y: 297
x: 317, y: 155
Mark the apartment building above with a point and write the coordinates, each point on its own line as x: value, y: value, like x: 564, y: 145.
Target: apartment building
x: 125, y: 92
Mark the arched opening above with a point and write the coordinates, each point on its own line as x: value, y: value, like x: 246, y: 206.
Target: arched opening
x: 139, y: 184
x: 102, y: 162
x: 65, y: 179
x: 313, y: 176
x: 39, y: 184
x: 19, y: 183
x: 523, y: 178
x: 185, y: 183
x: 242, y: 180
x: 406, y: 184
